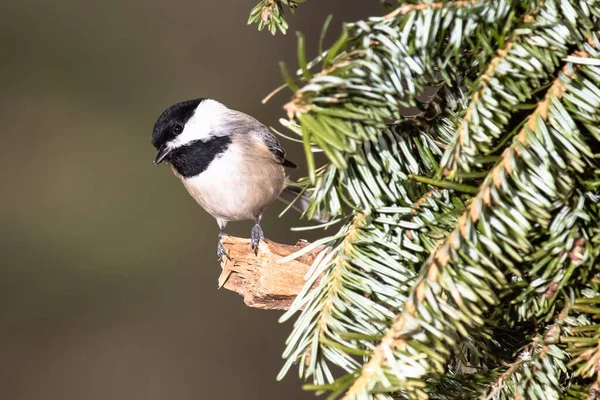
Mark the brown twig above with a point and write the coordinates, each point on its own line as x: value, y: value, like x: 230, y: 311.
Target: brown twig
x: 260, y: 279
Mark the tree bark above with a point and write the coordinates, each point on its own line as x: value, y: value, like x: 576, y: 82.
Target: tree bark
x: 260, y: 279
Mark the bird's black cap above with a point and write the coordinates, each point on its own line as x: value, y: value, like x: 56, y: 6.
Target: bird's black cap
x: 179, y: 113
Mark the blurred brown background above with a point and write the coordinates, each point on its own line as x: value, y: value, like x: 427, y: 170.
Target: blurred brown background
x: 108, y: 287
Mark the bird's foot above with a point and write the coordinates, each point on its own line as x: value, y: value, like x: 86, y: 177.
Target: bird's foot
x: 257, y: 236
x: 221, y: 251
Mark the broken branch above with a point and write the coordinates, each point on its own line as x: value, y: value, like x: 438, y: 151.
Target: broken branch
x: 260, y: 279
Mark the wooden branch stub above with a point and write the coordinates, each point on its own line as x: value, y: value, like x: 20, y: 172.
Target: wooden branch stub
x: 259, y: 279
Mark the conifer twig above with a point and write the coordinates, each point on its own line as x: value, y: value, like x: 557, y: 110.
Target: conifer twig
x: 396, y: 337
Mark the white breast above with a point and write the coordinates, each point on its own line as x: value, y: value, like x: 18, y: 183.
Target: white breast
x: 235, y: 187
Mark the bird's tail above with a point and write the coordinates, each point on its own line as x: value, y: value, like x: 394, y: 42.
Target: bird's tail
x: 292, y: 195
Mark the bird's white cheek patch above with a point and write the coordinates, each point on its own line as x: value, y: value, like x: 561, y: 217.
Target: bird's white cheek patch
x: 201, y: 125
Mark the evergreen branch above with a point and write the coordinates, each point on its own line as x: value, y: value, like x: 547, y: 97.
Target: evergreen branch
x: 527, y: 236
x: 379, y: 66
x: 320, y: 332
x: 531, y: 202
x: 583, y: 335
x: 459, y: 386
x: 424, y: 199
x: 563, y: 256
x: 512, y: 77
x: 537, y: 370
x: 583, y: 392
x: 269, y: 13
x: 374, y: 281
x: 540, y: 370
x: 378, y: 173
x: 408, y: 8
x: 404, y: 220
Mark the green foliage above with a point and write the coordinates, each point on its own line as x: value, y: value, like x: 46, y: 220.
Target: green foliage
x: 270, y: 14
x: 466, y: 261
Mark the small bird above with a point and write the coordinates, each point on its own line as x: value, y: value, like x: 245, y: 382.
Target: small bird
x: 228, y: 161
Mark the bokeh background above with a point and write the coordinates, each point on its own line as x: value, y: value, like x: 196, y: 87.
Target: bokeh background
x: 109, y: 274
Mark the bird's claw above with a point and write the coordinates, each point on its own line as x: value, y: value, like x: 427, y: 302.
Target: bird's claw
x: 257, y: 236
x: 221, y: 251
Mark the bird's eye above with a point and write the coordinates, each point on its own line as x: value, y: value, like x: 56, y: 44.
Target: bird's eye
x: 177, y: 129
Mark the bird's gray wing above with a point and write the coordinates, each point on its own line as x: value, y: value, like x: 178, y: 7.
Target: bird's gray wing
x: 266, y: 137
x: 275, y: 147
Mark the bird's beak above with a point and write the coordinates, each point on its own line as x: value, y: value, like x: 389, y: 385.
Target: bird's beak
x: 162, y: 153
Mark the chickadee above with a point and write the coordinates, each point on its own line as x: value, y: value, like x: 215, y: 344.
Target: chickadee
x: 228, y: 161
